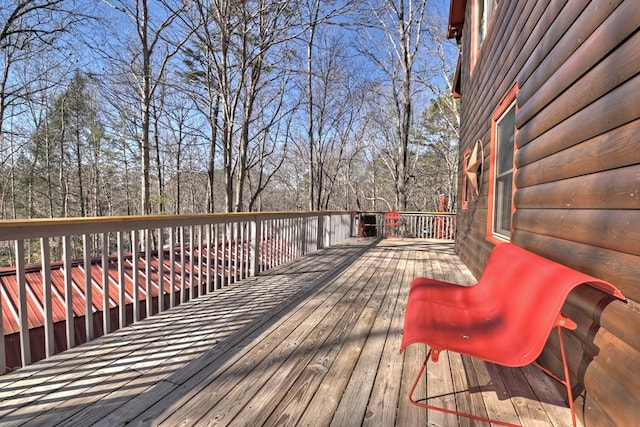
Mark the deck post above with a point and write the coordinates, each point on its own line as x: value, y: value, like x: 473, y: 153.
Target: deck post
x: 3, y: 360
x: 68, y: 290
x: 122, y: 305
x: 25, y: 343
x: 106, y: 320
x: 88, y: 300
x: 49, y: 343
x: 320, y: 233
x: 254, y: 240
x: 135, y: 267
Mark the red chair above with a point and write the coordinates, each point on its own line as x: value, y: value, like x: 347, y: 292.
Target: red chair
x: 392, y: 224
x: 505, y: 318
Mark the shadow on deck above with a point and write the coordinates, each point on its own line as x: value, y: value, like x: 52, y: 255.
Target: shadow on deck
x: 314, y: 342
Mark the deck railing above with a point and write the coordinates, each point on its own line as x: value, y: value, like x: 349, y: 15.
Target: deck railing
x: 418, y: 225
x: 428, y: 225
x: 71, y: 280
x: 64, y: 282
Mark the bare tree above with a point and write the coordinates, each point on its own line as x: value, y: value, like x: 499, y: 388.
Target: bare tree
x: 317, y: 15
x: 271, y: 147
x: 402, y: 24
x: 244, y: 97
x: 182, y: 125
x: 236, y: 55
x: 149, y: 59
x: 437, y: 131
x: 201, y: 58
x: 381, y: 153
x: 29, y: 31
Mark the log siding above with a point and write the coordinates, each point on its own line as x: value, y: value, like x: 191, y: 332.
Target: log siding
x: 577, y: 179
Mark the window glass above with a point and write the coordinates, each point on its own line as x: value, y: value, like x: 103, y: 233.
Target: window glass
x: 505, y: 129
x: 481, y: 27
x: 505, y: 134
x: 484, y: 10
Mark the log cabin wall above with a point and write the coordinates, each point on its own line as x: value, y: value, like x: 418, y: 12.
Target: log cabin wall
x: 577, y: 181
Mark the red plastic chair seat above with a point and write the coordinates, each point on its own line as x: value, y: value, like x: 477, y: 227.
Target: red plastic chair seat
x: 505, y: 318
x: 392, y: 224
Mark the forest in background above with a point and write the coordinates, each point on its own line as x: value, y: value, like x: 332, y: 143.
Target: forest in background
x: 123, y: 107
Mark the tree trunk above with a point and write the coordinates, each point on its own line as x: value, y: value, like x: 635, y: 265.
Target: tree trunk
x: 228, y: 165
x: 310, y: 100
x: 80, y: 183
x: 160, y: 174
x: 213, y: 123
x: 61, y: 175
x: 145, y: 205
x: 405, y: 126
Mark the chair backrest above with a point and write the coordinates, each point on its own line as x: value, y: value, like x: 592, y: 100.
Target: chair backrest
x: 529, y: 291
x: 392, y: 216
x: 505, y: 318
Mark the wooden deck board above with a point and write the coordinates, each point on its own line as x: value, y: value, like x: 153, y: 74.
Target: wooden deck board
x: 354, y: 400
x: 314, y: 342
x: 290, y: 408
x: 382, y: 406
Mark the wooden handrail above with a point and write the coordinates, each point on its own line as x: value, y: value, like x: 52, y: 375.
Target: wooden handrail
x: 139, y: 265
x: 127, y: 268
x: 47, y: 227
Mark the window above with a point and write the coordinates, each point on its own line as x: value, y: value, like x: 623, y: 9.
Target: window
x: 503, y: 178
x: 482, y: 12
x: 502, y: 169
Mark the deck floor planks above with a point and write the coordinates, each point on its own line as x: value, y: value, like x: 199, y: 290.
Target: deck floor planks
x: 495, y: 395
x: 413, y: 357
x: 465, y: 382
x: 321, y: 408
x: 353, y: 404
x: 138, y: 338
x: 545, y: 390
x: 438, y: 376
x: 193, y: 384
x: 43, y: 392
x: 527, y: 406
x: 286, y: 359
x: 182, y: 355
x: 327, y: 321
x: 313, y: 343
x: 463, y: 375
x: 382, y: 406
x: 294, y: 403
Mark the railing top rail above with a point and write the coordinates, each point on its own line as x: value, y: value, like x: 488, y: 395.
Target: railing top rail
x: 15, y: 229
x: 410, y: 213
x: 142, y: 273
x: 425, y: 213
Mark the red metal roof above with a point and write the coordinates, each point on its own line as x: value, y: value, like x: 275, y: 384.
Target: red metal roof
x: 271, y: 254
x: 35, y: 295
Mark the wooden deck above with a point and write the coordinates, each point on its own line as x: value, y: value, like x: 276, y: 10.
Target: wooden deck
x: 312, y: 343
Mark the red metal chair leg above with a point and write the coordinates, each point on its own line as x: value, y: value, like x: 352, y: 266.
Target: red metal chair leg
x: 448, y: 411
x: 567, y: 380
